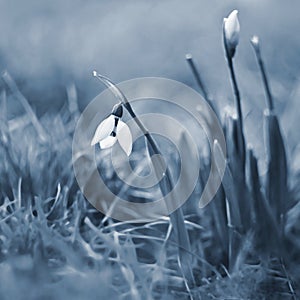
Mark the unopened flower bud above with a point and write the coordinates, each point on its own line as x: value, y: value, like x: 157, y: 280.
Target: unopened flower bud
x: 255, y: 42
x: 231, y: 33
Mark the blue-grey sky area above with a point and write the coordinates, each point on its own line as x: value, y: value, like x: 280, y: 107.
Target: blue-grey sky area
x: 47, y: 44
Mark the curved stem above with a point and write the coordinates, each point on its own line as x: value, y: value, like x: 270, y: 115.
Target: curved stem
x: 269, y: 97
x: 119, y: 94
x: 196, y: 74
x: 166, y: 183
x: 200, y: 83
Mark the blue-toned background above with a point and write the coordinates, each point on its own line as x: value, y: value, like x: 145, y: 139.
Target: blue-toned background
x: 47, y: 45
x: 53, y: 244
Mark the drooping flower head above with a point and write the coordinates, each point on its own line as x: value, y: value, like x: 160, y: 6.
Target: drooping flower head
x: 231, y: 33
x: 111, y: 130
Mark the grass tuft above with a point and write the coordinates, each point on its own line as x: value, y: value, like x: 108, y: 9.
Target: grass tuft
x: 53, y: 245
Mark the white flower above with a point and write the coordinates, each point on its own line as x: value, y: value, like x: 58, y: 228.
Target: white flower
x: 111, y: 130
x: 231, y: 32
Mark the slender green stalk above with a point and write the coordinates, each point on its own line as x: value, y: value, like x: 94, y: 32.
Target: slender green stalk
x: 238, y: 156
x: 196, y: 74
x: 236, y: 92
x: 200, y: 82
x: 230, y: 52
x: 277, y: 189
x: 242, y: 147
x: 256, y: 47
x: 177, y: 218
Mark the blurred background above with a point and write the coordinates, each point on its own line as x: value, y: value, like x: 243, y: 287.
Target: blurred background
x: 49, y: 235
x: 48, y: 45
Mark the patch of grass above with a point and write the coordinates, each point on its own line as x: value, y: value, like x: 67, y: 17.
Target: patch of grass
x: 54, y: 245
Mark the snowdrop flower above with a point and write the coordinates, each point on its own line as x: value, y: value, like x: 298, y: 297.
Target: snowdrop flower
x: 231, y: 30
x: 111, y: 130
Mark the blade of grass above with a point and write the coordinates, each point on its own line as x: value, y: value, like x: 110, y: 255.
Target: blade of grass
x: 263, y: 220
x: 256, y: 46
x: 277, y: 189
x: 232, y: 207
x: 13, y: 87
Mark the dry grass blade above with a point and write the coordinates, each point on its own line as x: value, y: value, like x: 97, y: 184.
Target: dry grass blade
x: 13, y: 87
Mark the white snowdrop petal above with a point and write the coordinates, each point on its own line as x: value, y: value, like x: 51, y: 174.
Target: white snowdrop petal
x: 108, y: 142
x: 103, y: 130
x: 124, y: 137
x: 232, y: 28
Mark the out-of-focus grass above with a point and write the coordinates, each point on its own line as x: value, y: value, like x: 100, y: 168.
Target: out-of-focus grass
x: 244, y: 244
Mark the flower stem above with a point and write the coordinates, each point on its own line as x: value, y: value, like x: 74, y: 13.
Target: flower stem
x: 270, y: 103
x: 200, y: 83
x: 166, y: 185
x: 236, y: 92
x: 197, y: 76
x: 242, y: 147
